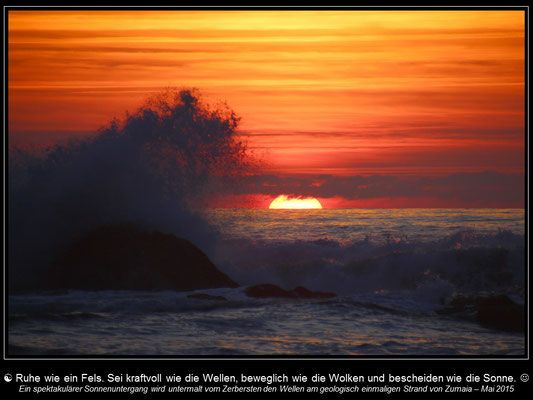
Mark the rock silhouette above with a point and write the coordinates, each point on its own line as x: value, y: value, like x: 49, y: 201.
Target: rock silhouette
x: 127, y: 258
x: 269, y: 290
x: 496, y: 312
x: 204, y: 296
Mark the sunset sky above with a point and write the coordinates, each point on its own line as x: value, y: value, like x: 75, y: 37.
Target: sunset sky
x: 357, y: 108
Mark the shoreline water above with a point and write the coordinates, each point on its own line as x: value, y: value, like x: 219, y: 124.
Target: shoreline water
x: 389, y: 289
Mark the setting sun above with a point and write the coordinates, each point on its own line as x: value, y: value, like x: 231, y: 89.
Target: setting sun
x: 283, y: 202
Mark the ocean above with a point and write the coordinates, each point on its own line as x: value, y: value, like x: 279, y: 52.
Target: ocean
x: 393, y: 272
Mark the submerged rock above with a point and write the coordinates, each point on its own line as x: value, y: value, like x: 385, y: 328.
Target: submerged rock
x: 495, y: 312
x: 269, y: 290
x: 204, y: 296
x: 127, y: 258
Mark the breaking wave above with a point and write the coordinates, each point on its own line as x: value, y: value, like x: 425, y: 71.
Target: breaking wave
x: 146, y: 169
x: 464, y: 262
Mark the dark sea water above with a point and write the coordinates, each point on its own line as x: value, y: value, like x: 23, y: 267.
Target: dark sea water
x: 392, y: 271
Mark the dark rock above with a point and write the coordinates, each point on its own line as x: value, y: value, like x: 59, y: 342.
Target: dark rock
x: 501, y: 313
x: 495, y: 312
x: 127, y: 258
x: 269, y: 290
x: 303, y: 293
x: 204, y: 296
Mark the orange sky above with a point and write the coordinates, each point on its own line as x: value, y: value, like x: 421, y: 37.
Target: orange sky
x: 328, y: 92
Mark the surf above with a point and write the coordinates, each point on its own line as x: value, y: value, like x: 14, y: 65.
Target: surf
x: 149, y: 169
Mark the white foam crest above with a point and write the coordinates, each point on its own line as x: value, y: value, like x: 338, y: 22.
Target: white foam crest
x: 464, y: 261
